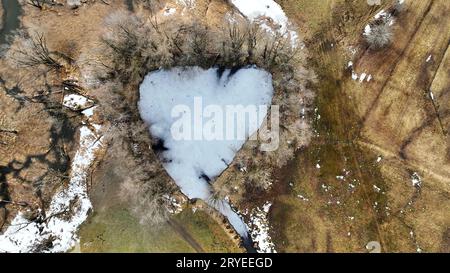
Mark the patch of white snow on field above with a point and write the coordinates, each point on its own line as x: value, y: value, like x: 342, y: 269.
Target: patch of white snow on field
x: 431, y: 95
x: 260, y: 9
x: 169, y: 11
x: 260, y: 229
x: 416, y: 180
x: 253, y: 9
x: 367, y: 30
x: 68, y: 209
x: 381, y: 14
x: 189, y: 161
x: 363, y: 77
x: 77, y: 102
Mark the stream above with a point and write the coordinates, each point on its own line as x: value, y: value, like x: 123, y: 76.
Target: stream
x: 10, y: 22
x: 11, y: 19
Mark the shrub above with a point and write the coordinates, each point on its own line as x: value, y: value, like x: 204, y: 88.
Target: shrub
x: 379, y: 36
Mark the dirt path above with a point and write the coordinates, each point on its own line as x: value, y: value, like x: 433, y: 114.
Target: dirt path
x: 185, y: 235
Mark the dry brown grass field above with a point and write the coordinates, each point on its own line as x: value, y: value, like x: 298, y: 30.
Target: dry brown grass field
x: 392, y: 117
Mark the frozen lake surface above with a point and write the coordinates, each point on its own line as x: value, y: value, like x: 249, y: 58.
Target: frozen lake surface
x: 195, y: 163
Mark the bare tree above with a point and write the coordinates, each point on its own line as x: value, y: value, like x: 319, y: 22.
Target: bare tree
x: 398, y: 7
x: 139, y: 46
x: 40, y: 3
x: 379, y: 36
x: 196, y: 47
x: 233, y: 44
x: 145, y: 188
x: 32, y: 51
x: 134, y: 46
x: 37, y: 3
x: 379, y: 33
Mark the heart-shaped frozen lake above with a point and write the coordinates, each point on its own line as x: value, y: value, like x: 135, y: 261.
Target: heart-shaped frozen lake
x: 203, y: 118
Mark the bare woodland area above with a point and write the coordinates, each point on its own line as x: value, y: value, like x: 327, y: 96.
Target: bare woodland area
x: 363, y: 96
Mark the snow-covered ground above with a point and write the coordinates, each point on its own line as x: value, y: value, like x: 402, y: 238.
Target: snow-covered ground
x: 416, y: 180
x: 260, y: 228
x: 191, y: 163
x: 69, y: 207
x: 262, y: 9
x: 77, y: 102
x: 169, y: 11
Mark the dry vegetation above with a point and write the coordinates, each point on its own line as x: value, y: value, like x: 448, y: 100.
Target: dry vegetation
x: 392, y: 116
x: 380, y: 34
x: 37, y: 131
x: 109, y: 70
x: 361, y: 127
x: 37, y: 137
x: 132, y: 47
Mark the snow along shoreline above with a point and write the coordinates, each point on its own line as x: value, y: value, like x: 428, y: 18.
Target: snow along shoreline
x: 60, y: 225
